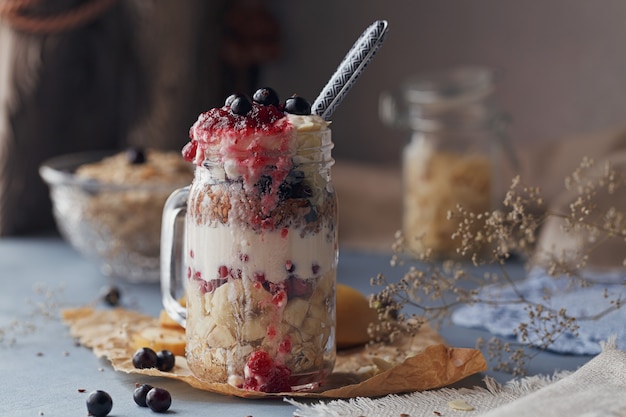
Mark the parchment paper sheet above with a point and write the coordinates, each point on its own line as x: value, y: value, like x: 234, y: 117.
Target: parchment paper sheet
x: 416, y: 364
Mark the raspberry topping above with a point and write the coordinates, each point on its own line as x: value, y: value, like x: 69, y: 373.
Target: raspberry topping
x: 263, y: 374
x: 259, y: 363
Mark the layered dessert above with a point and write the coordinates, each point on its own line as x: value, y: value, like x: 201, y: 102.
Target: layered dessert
x: 261, y: 245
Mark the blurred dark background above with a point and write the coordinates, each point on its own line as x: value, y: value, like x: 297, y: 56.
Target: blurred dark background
x: 101, y: 74
x: 563, y: 63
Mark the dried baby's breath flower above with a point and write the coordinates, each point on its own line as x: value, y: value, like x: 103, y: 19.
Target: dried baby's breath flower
x: 43, y: 306
x: 430, y: 289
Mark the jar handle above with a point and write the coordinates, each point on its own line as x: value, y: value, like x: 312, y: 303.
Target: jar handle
x: 172, y: 247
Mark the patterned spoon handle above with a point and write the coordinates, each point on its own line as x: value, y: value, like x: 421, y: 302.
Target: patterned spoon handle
x: 349, y: 70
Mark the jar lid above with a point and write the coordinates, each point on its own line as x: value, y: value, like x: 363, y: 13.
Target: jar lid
x: 449, y: 87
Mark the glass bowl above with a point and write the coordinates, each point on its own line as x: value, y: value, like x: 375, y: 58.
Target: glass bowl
x: 118, y: 225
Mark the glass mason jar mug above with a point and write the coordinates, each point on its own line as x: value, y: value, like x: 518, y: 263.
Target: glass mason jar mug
x: 260, y: 259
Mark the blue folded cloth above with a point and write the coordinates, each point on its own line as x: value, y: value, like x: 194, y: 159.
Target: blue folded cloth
x: 505, y: 316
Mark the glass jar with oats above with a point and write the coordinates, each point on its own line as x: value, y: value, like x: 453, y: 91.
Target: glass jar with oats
x: 454, y: 159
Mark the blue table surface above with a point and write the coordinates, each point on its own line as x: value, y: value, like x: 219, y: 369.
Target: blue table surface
x: 43, y: 370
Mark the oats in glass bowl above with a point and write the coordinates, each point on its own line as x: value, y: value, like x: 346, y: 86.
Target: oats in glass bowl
x: 108, y: 205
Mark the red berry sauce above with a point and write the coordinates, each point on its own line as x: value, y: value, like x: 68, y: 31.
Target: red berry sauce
x: 221, y: 131
x: 261, y: 142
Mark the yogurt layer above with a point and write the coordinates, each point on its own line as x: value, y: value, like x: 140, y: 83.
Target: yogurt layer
x: 272, y: 255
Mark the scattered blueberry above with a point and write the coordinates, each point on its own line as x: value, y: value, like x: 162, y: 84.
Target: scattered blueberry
x: 135, y: 156
x: 241, y: 105
x: 297, y: 105
x: 99, y: 403
x: 266, y: 96
x: 165, y: 360
x: 158, y: 400
x: 139, y: 395
x: 145, y: 358
x: 111, y: 295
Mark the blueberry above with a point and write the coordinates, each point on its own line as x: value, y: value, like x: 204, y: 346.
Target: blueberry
x: 145, y: 358
x: 285, y: 191
x: 230, y: 99
x: 266, y: 96
x: 158, y: 400
x: 297, y: 105
x: 139, y: 395
x: 295, y: 176
x: 135, y: 156
x: 111, y: 295
x: 165, y: 360
x: 241, y: 105
x: 292, y: 186
x: 264, y: 184
x: 311, y: 217
x: 99, y: 403
x: 295, y: 190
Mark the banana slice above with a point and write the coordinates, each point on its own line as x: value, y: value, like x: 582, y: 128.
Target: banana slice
x: 166, y: 321
x: 161, y: 338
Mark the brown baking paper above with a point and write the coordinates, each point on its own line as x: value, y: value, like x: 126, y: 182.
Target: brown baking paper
x: 413, y: 364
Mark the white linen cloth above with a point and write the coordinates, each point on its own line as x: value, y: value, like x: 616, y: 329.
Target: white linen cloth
x: 597, y: 389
